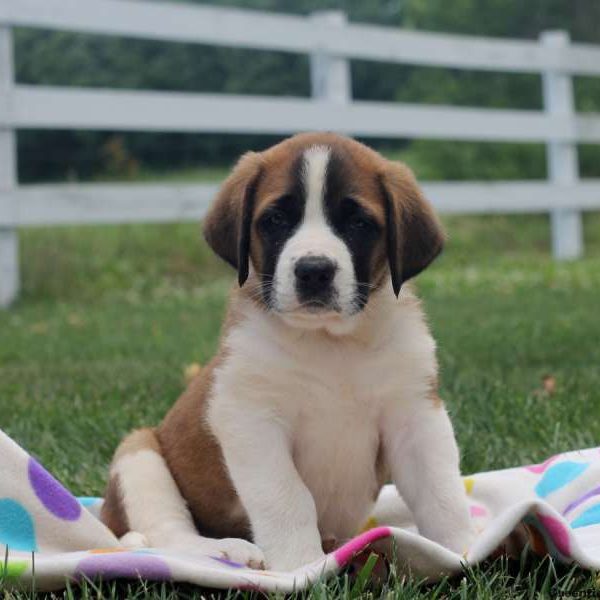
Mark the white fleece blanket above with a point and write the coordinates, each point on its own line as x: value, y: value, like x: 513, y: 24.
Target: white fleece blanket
x: 48, y: 534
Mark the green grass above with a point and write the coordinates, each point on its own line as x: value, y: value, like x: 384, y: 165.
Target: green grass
x: 110, y: 317
x: 193, y: 174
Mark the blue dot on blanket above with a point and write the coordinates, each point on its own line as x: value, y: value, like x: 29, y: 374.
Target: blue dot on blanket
x: 16, y: 526
x: 88, y: 501
x: 589, y: 517
x: 558, y: 476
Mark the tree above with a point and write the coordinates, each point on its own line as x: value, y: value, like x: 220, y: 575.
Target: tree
x: 56, y: 58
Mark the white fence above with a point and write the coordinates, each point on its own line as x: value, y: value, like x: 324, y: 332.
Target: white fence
x: 331, y: 42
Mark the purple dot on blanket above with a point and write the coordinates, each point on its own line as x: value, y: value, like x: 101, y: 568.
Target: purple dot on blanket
x: 229, y: 563
x: 125, y: 566
x: 59, y: 501
x: 579, y: 501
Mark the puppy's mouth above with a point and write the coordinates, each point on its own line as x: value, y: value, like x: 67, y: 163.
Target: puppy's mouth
x: 318, y: 307
x: 313, y: 318
x: 313, y: 309
x: 317, y: 314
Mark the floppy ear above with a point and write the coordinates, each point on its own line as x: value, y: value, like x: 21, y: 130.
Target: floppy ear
x: 414, y: 234
x: 227, y: 226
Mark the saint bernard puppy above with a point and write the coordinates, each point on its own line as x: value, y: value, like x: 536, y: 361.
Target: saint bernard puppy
x: 324, y: 386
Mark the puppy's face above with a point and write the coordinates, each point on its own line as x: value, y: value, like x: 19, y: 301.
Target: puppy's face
x: 320, y: 222
x: 319, y: 241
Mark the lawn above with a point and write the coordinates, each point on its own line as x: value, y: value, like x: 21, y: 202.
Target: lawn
x: 110, y: 317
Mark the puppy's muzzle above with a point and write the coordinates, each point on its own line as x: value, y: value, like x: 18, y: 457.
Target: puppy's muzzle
x: 314, y: 280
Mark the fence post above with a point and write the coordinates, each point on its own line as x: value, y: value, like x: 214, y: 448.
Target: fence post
x: 9, y: 241
x: 561, y: 156
x: 329, y: 74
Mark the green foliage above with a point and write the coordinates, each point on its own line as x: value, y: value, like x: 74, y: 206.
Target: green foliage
x: 60, y: 58
x: 449, y: 161
x: 93, y: 262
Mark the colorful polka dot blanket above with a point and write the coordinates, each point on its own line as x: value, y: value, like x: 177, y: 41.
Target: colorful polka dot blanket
x: 49, y: 536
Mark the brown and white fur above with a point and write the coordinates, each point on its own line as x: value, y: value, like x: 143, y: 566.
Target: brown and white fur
x: 325, y: 382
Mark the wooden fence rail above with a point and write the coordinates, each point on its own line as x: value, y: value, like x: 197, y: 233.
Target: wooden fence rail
x: 331, y: 42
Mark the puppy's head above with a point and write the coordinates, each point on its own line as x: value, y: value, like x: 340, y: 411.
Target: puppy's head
x: 319, y: 222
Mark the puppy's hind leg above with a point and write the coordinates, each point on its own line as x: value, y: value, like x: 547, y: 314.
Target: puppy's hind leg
x: 143, y: 505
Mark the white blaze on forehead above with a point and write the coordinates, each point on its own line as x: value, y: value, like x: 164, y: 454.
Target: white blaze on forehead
x: 315, y: 237
x: 314, y: 173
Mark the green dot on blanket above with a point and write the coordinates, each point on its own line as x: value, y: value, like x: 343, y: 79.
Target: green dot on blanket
x: 13, y: 569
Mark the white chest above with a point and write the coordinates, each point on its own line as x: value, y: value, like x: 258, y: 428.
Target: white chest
x: 335, y: 450
x: 328, y: 396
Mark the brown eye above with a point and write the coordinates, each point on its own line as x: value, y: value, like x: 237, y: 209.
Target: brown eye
x: 274, y: 220
x: 358, y: 222
x: 354, y: 219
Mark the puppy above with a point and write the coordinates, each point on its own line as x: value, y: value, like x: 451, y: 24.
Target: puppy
x: 325, y: 382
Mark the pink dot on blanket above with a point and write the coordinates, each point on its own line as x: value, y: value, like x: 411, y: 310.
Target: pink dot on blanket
x: 540, y: 468
x: 124, y: 566
x: 344, y: 554
x: 59, y: 501
x: 478, y: 511
x: 558, y: 532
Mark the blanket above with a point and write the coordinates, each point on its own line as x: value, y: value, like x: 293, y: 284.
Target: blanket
x: 48, y: 535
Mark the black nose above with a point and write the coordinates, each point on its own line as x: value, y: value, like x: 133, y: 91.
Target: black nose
x: 314, y: 274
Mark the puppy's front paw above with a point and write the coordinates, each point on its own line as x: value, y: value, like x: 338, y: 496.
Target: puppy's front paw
x: 233, y: 549
x: 241, y: 551
x: 134, y: 539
